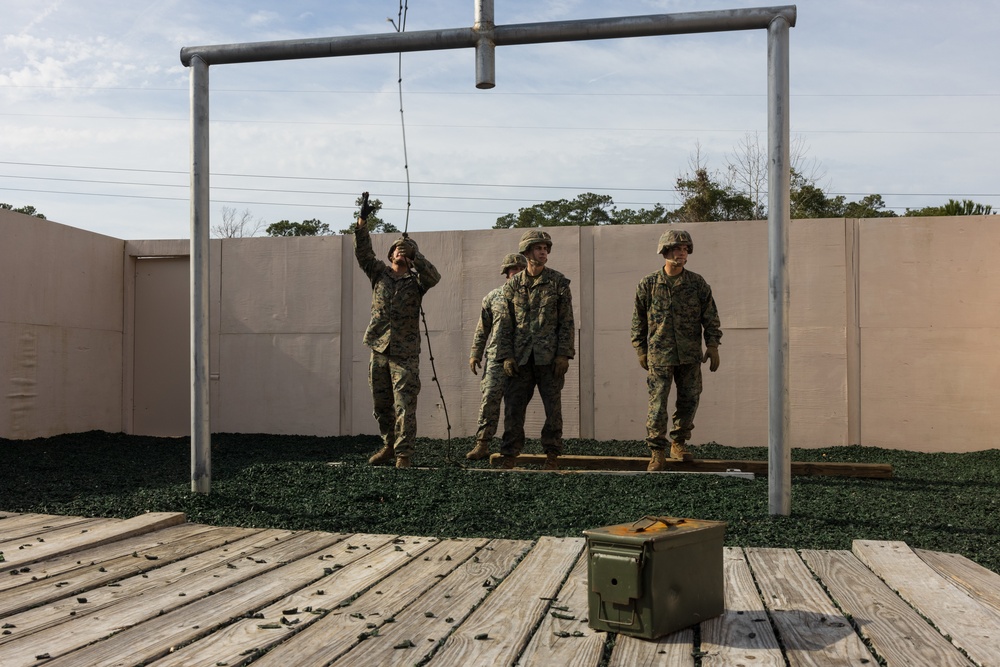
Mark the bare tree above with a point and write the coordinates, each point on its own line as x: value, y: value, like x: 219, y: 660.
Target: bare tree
x: 746, y: 168
x: 236, y: 226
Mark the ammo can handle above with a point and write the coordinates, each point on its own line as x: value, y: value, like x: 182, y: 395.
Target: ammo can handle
x: 651, y: 521
x: 604, y: 619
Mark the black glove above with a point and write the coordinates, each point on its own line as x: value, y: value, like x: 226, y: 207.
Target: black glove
x: 366, y: 209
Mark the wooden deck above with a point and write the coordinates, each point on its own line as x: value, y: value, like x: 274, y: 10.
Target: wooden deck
x: 157, y: 590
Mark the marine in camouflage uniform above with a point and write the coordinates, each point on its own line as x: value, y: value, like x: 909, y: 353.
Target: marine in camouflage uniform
x: 494, y: 381
x: 394, y: 338
x: 674, y: 308
x: 536, y: 341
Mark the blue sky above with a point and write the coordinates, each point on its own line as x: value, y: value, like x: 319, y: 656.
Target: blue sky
x: 896, y: 98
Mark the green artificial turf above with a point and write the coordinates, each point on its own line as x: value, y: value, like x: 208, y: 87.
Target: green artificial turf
x: 942, y: 502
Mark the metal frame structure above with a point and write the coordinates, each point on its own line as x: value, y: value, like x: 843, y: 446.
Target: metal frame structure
x: 484, y: 36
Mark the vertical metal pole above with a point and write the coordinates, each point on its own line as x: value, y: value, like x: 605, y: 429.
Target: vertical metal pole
x: 486, y: 71
x: 201, y: 447
x: 779, y: 178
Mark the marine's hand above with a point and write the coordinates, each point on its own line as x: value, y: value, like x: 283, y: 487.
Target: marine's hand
x: 643, y: 362
x: 712, y: 353
x: 366, y: 208
x: 473, y: 365
x: 560, y: 366
x: 510, y: 367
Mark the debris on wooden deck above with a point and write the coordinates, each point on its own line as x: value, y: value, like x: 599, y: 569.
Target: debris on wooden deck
x: 157, y: 590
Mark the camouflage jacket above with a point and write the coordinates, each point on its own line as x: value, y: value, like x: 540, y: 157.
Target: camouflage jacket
x: 492, y: 312
x: 538, y: 320
x: 395, y: 325
x: 669, y: 320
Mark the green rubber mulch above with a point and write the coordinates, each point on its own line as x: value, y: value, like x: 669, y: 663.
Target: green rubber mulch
x: 942, y: 502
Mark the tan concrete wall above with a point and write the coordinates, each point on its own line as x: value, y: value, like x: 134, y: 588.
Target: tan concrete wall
x: 60, y: 328
x: 891, y: 325
x: 929, y: 323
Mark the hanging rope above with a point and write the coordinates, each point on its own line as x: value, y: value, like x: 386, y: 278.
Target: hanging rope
x: 404, y: 6
x: 400, y: 26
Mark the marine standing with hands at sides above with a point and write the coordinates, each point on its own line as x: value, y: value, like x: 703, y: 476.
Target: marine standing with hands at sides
x: 394, y: 337
x: 674, y: 307
x: 494, y: 381
x: 536, y: 343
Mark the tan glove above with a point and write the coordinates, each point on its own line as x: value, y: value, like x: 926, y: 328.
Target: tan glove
x: 474, y: 364
x: 643, y: 362
x: 510, y: 367
x: 712, y: 352
x: 560, y: 366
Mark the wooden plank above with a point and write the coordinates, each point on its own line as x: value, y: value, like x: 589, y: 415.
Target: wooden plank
x: 742, y: 475
x: 743, y: 634
x: 897, y: 633
x: 70, y: 623
x: 506, y: 619
x: 335, y: 633
x: 869, y: 470
x: 972, y: 626
x: 26, y: 526
x: 979, y: 582
x: 564, y: 637
x: 145, y: 627
x: 59, y: 565
x: 450, y: 601
x: 811, y: 629
x: 73, y: 575
x: 146, y: 587
x: 108, y: 532
x: 19, y: 550
x: 677, y: 648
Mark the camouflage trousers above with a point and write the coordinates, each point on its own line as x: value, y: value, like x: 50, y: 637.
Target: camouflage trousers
x: 687, y: 377
x: 493, y: 386
x: 395, y: 383
x: 520, y: 389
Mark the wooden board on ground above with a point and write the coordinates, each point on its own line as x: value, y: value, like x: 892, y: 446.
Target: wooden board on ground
x: 564, y: 637
x: 72, y: 575
x: 950, y: 608
x: 414, y: 633
x: 743, y: 634
x: 673, y: 650
x: 809, y: 625
x: 982, y: 584
x: 321, y: 639
x: 109, y: 530
x: 500, y: 628
x: 638, y: 463
x: 741, y: 475
x: 897, y: 633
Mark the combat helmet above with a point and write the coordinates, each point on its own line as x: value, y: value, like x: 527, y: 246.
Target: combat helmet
x: 533, y: 236
x: 673, y: 237
x: 410, y: 246
x: 511, y: 261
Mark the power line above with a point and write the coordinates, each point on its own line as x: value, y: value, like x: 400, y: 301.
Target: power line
x: 493, y: 127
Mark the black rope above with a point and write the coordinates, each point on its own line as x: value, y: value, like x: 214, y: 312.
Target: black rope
x: 404, y: 7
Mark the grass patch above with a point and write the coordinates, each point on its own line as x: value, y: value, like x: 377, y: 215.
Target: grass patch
x: 942, y: 502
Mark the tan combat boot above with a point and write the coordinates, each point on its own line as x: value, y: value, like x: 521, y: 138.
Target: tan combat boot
x: 403, y: 461
x: 551, y: 461
x: 680, y: 452
x: 507, y: 462
x: 382, y: 457
x: 657, y: 461
x: 480, y: 451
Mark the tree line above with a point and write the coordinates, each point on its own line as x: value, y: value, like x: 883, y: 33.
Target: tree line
x: 737, y: 192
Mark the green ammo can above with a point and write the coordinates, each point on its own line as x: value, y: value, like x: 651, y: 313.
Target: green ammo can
x: 655, y: 576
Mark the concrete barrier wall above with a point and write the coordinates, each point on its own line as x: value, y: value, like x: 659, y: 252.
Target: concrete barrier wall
x: 891, y: 323
x: 60, y: 328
